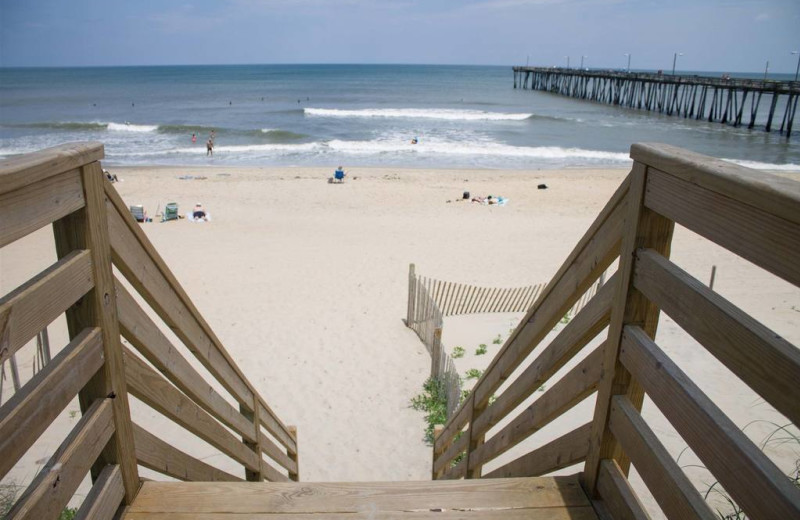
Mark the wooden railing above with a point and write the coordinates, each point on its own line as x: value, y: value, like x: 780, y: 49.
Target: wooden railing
x: 753, y: 214
x: 93, y: 230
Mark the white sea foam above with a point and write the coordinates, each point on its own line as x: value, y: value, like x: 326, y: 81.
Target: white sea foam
x: 484, y: 149
x: 418, y: 113
x: 128, y: 127
x: 766, y: 166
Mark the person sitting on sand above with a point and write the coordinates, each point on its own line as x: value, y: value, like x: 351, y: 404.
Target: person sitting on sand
x: 199, y: 213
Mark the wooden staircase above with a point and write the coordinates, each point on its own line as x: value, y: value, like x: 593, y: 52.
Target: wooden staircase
x: 539, y: 498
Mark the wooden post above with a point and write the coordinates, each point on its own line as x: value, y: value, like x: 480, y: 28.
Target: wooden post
x: 436, y: 352
x: 411, y: 295
x: 437, y: 430
x: 252, y: 416
x: 713, y: 275
x: 88, y: 229
x: 646, y: 229
x: 295, y: 456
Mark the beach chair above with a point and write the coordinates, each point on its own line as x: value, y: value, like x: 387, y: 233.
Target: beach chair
x: 170, y: 212
x: 338, y: 175
x: 138, y: 213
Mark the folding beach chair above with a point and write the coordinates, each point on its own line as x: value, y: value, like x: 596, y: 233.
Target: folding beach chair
x: 170, y: 212
x: 338, y: 175
x: 138, y: 213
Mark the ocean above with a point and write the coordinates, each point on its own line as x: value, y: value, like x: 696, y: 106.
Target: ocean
x: 353, y: 115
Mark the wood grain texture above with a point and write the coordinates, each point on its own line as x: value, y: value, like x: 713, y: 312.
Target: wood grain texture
x: 675, y: 494
x: 553, y: 513
x: 105, y: 496
x: 155, y: 391
x: 32, y: 306
x: 753, y: 481
x: 644, y: 229
x: 756, y: 234
x: 298, y: 498
x: 563, y: 452
x: 55, y: 484
x: 765, y: 361
x: 145, y: 335
x: 270, y: 421
x: 617, y: 495
x: 160, y: 456
x: 29, y: 412
x: 778, y: 195
x: 574, y: 387
x: 27, y: 209
x: 31, y: 168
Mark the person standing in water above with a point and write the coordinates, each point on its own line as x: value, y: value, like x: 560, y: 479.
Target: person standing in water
x: 194, y: 138
x: 210, y: 147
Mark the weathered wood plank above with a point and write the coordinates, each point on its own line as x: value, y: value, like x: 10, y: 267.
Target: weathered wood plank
x: 593, y: 254
x: 27, y: 209
x: 444, y: 459
x: 580, y: 331
x: 671, y: 488
x: 555, y: 513
x: 29, y: 412
x: 255, y: 497
x: 271, y: 474
x: 160, y: 456
x: 271, y: 450
x: 105, y: 496
x: 29, y: 308
x: 155, y: 391
x: 145, y: 335
x: 751, y: 478
x: 31, y: 168
x: 771, y: 193
x: 769, y: 364
x: 570, y: 390
x: 142, y: 270
x: 270, y: 421
x: 759, y: 235
x: 457, y: 471
x: 617, y: 494
x: 55, y: 484
x: 560, y: 453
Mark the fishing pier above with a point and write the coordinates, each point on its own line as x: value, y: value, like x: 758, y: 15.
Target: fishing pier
x: 721, y: 100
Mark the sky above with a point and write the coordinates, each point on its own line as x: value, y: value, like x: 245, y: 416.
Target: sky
x: 711, y: 35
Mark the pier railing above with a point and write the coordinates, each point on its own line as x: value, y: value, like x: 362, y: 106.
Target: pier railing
x: 752, y: 214
x: 95, y: 236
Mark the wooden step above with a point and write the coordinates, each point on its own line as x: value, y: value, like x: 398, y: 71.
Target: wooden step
x: 542, y: 498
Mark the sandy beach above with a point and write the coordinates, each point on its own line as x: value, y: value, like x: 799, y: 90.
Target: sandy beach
x: 305, y: 282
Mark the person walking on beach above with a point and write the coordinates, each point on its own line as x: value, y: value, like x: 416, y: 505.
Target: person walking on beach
x: 209, y: 147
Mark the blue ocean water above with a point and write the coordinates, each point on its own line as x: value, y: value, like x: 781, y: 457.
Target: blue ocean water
x: 356, y: 115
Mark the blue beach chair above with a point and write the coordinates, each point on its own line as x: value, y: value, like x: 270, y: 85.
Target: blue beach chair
x: 338, y: 175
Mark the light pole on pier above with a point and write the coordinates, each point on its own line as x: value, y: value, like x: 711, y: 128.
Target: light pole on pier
x: 567, y: 61
x: 582, y: 61
x: 798, y: 64
x: 675, y: 60
x: 629, y: 61
x: 766, y: 70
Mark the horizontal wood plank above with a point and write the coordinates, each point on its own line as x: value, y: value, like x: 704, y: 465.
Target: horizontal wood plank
x: 571, y: 448
x: 31, y: 168
x: 28, y: 309
x: 296, y: 498
x: 31, y: 410
x: 105, y: 496
x: 570, y: 390
x: 766, y: 362
x: 273, y: 424
x: 275, y: 453
x: 581, y: 330
x: 778, y: 195
x: 455, y: 471
x: 675, y: 494
x: 160, y: 456
x: 753, y: 481
x: 271, y: 474
x: 618, y: 497
x: 554, y: 513
x: 452, y: 452
x: 147, y: 385
x: 145, y: 335
x: 758, y: 235
x: 25, y: 210
x: 57, y: 481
